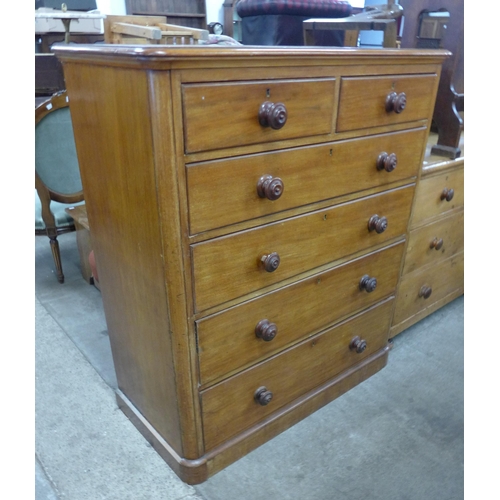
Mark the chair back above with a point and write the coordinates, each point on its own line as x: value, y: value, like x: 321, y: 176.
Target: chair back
x: 56, y: 163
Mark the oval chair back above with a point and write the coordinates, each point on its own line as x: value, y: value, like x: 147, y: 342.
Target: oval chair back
x: 57, y: 173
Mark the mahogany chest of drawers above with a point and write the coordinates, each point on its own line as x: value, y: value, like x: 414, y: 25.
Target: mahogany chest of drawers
x: 248, y: 209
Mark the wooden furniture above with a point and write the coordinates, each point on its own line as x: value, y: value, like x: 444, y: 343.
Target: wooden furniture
x: 191, y: 13
x: 49, y: 77
x: 149, y: 30
x: 433, y: 271
x: 57, y: 175
x: 448, y: 114
x: 249, y: 208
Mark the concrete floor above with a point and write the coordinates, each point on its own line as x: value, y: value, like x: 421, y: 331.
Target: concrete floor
x: 397, y: 436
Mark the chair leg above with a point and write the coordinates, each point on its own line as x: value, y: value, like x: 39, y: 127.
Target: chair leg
x: 54, y: 246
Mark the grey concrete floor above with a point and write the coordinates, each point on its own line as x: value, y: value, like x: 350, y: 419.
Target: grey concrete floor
x: 397, y: 436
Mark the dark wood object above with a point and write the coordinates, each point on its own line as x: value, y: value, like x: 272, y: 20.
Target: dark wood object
x: 191, y: 287
x: 447, y: 116
x: 49, y: 77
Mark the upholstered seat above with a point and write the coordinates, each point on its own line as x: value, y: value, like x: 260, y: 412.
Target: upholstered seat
x: 57, y: 173
x: 279, y: 22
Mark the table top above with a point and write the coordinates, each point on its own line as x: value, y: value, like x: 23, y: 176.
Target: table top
x: 59, y: 14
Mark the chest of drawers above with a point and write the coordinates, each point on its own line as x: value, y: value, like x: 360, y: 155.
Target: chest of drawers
x: 248, y: 208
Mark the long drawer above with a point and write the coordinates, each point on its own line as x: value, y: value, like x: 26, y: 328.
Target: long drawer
x: 227, y: 191
x: 231, y: 266
x: 433, y: 196
x: 421, y: 289
x: 230, y: 407
x: 435, y: 242
x: 229, y: 340
x: 222, y: 115
x: 363, y: 100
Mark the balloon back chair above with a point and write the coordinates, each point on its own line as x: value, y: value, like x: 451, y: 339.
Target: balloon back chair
x: 57, y: 174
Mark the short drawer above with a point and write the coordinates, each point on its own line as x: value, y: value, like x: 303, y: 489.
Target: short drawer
x: 230, y: 407
x: 435, y: 242
x: 260, y: 328
x: 228, y: 191
x: 364, y: 100
x: 231, y: 266
x: 421, y: 289
x: 224, y: 115
x: 438, y: 194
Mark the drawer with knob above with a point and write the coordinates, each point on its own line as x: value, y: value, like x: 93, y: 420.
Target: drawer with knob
x: 434, y: 242
x: 231, y: 266
x: 384, y: 100
x: 438, y: 194
x: 223, y: 115
x: 421, y: 289
x: 232, y: 190
x: 248, y: 397
x: 259, y: 328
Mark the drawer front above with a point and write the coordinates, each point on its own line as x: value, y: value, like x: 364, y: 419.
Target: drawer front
x: 230, y: 407
x: 430, y: 199
x: 228, y: 341
x: 435, y: 242
x: 442, y: 279
x: 224, y: 115
x: 225, y: 192
x: 228, y: 267
x: 363, y: 100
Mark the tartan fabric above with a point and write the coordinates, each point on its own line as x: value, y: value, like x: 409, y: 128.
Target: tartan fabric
x: 313, y: 8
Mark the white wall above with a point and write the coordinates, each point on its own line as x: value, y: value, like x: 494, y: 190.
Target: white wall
x: 215, y: 11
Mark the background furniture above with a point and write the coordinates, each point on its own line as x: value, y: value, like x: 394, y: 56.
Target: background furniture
x: 191, y: 13
x: 149, y: 29
x: 280, y: 22
x: 248, y: 264
x: 448, y: 114
x: 57, y: 175
x: 433, y: 271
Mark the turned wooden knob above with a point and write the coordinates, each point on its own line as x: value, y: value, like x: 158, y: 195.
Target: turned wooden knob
x: 270, y: 262
x: 357, y: 344
x: 425, y: 292
x: 387, y: 161
x: 263, y: 396
x: 367, y: 283
x: 270, y: 187
x: 447, y: 194
x: 379, y: 224
x: 437, y: 243
x: 272, y: 114
x: 395, y: 102
x: 266, y: 330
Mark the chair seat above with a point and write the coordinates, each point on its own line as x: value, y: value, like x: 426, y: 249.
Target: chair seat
x: 63, y: 220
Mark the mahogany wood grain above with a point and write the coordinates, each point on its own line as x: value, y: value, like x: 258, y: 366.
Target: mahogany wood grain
x: 309, y: 174
x: 428, y: 202
x: 305, y: 311
x: 361, y: 109
x: 443, y: 278
x: 229, y: 407
x: 419, y: 252
x: 227, y: 114
x: 229, y: 267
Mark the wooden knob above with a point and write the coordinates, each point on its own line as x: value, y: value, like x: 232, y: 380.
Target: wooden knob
x: 263, y: 396
x: 367, y: 283
x: 358, y: 344
x: 272, y: 114
x: 270, y: 262
x: 425, y: 292
x: 270, y: 187
x: 379, y: 224
x: 447, y: 194
x: 266, y: 330
x: 437, y: 243
x: 387, y: 161
x: 395, y: 102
